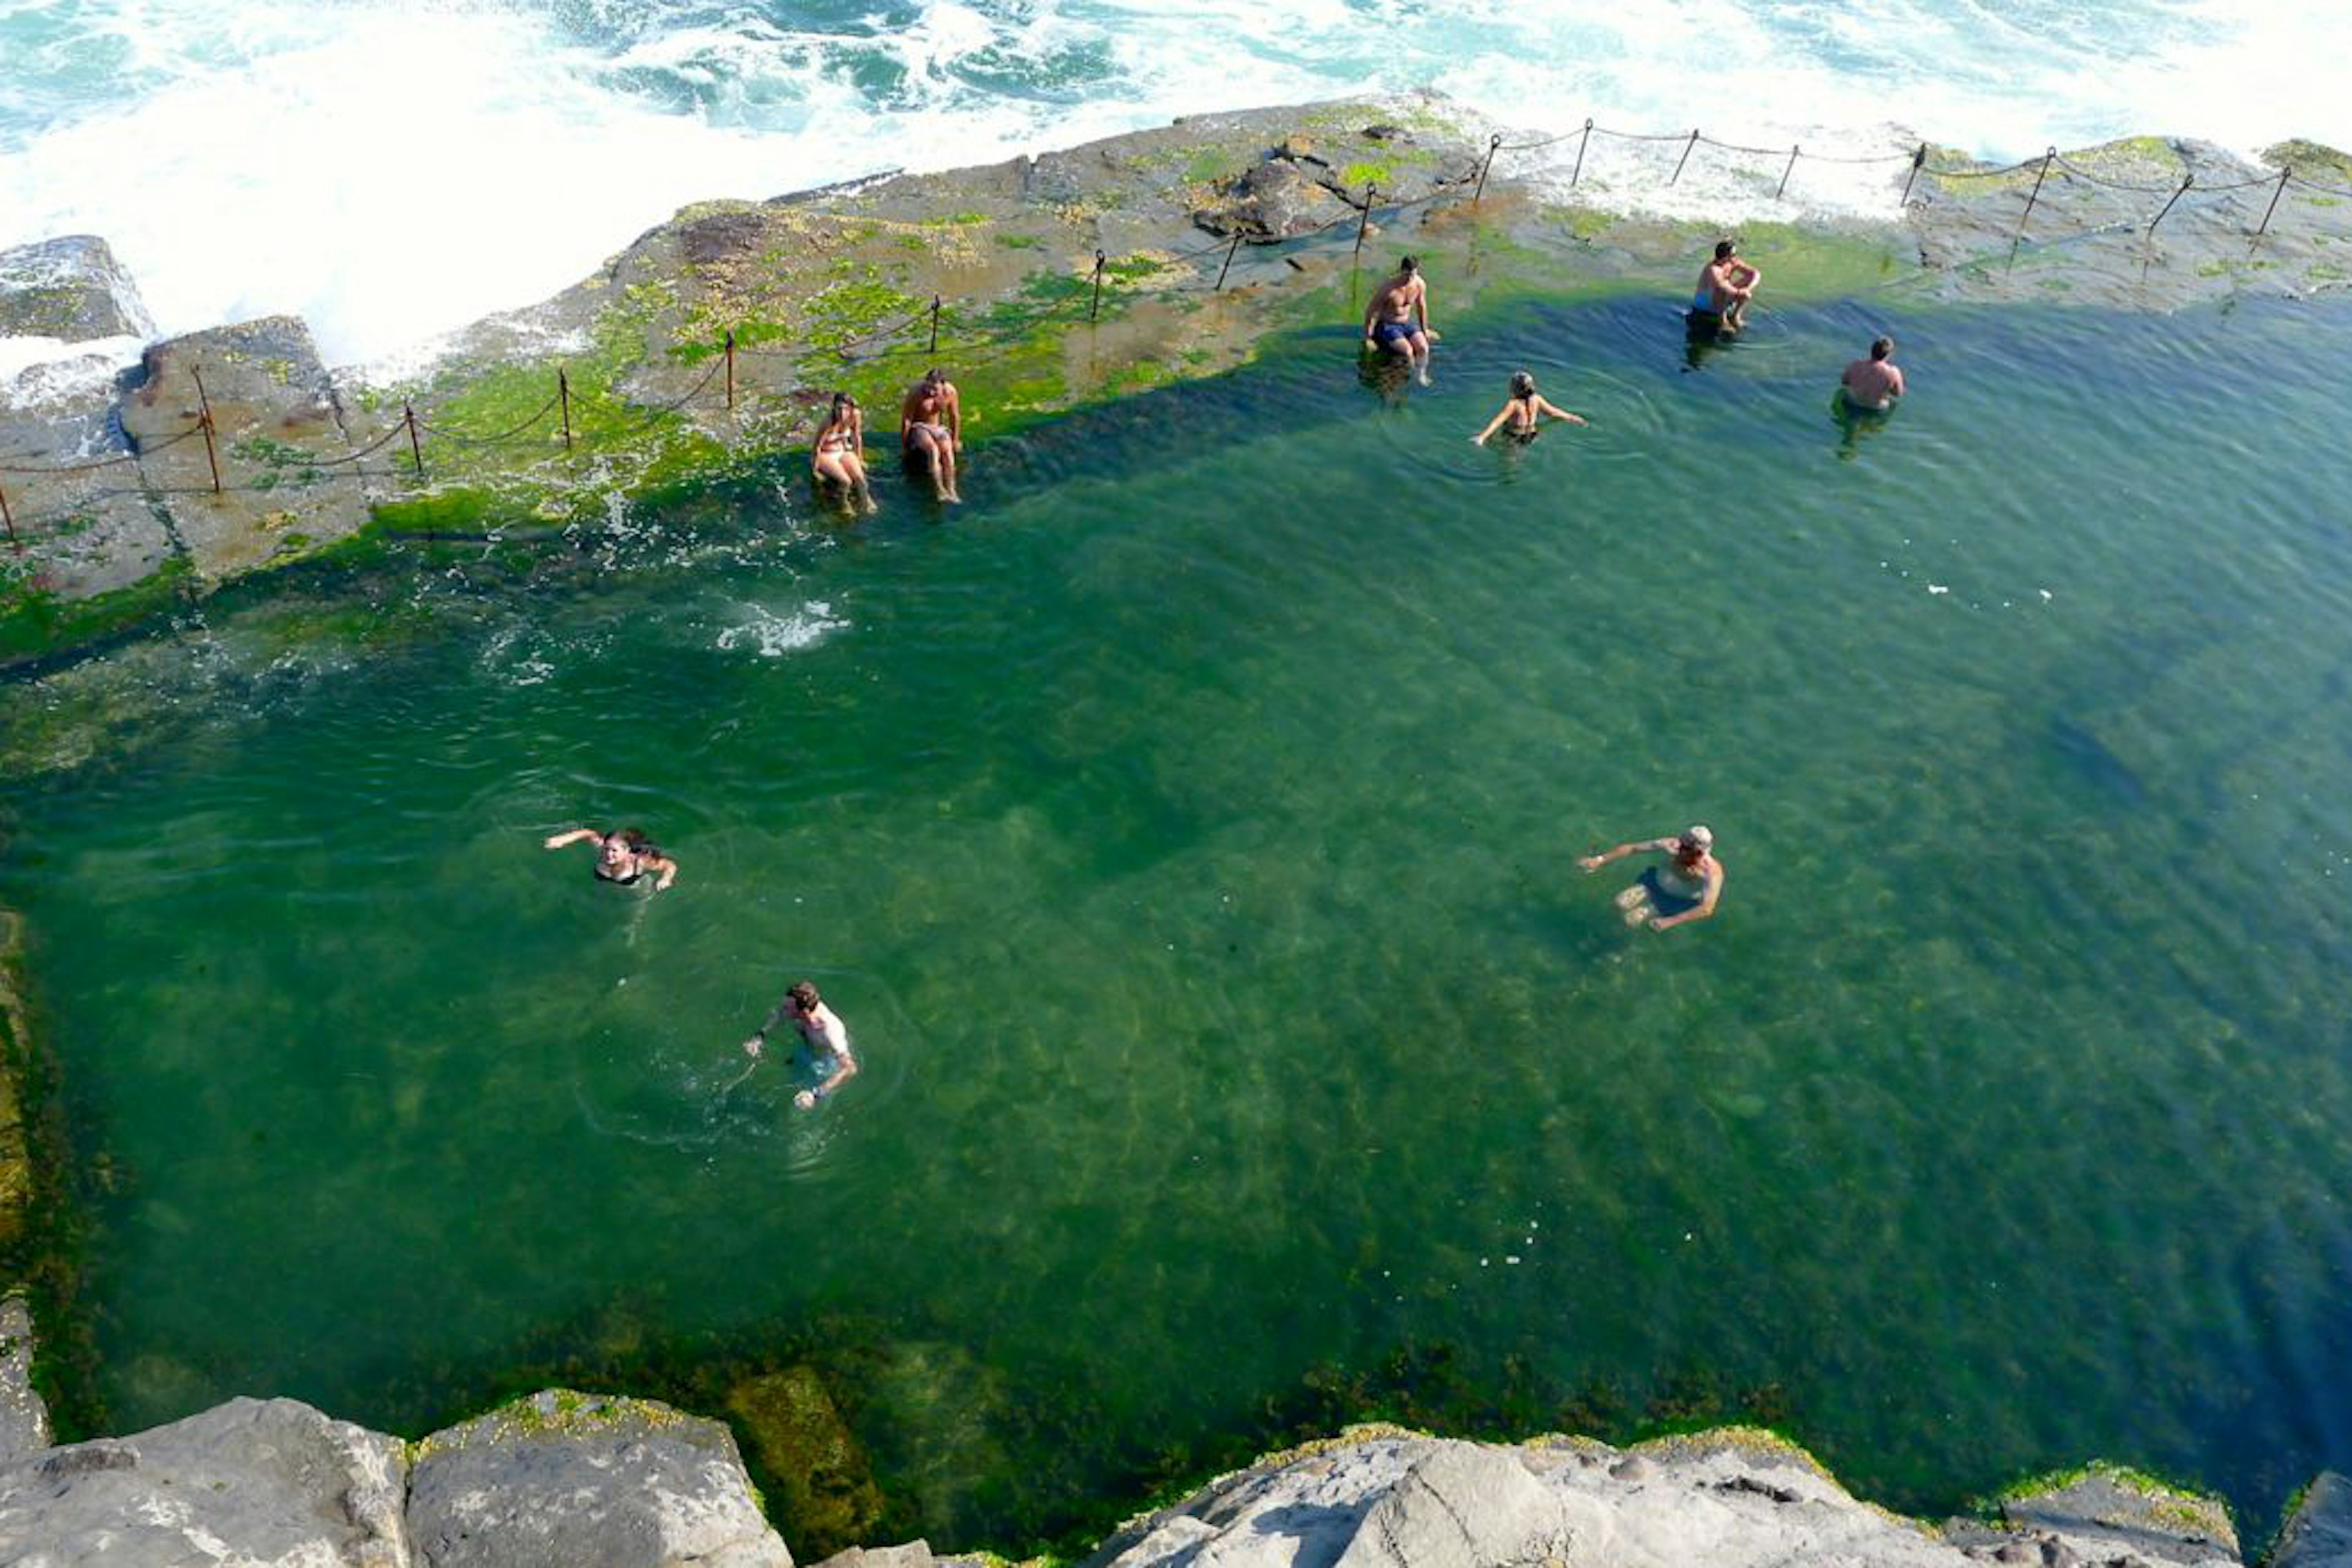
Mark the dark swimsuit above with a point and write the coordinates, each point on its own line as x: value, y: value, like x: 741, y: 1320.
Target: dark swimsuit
x: 1388, y: 335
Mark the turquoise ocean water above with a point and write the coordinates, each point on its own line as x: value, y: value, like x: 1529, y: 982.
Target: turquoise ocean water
x: 1187, y: 834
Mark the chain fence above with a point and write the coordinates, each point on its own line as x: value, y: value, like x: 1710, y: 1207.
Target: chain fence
x: 923, y: 332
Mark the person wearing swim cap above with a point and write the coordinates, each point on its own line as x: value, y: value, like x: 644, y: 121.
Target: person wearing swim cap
x: 1683, y: 890
x: 821, y: 1026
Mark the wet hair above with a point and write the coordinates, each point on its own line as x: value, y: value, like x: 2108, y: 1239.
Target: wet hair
x: 841, y: 404
x: 1408, y: 267
x: 1522, y: 385
x: 1880, y: 348
x: 635, y: 841
x: 805, y: 994
x: 1724, y: 247
x: 935, y: 377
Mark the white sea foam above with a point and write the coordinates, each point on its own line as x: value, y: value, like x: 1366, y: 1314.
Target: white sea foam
x: 393, y: 172
x: 772, y: 636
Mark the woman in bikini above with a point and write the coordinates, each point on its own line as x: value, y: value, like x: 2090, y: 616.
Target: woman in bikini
x: 621, y: 856
x: 1524, y: 408
x: 839, y: 456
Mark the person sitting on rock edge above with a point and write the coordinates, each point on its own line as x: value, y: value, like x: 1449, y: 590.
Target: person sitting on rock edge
x: 837, y: 457
x: 931, y: 431
x: 1397, y: 319
x: 1726, y: 286
x: 821, y: 1026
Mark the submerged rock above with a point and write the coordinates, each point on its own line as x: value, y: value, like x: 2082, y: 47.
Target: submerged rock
x: 252, y: 1481
x: 24, y: 1417
x: 826, y: 1484
x: 590, y: 1482
x: 70, y: 289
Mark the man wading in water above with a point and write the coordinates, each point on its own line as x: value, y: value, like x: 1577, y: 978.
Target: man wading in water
x: 1684, y: 888
x: 821, y: 1026
x: 931, y: 429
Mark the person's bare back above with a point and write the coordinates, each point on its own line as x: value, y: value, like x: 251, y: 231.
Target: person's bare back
x: 1874, y: 382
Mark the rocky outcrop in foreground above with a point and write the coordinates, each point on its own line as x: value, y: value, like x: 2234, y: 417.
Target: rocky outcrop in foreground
x: 571, y: 1480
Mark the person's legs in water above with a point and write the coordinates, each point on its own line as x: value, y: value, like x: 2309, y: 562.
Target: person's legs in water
x: 943, y: 446
x: 860, y: 491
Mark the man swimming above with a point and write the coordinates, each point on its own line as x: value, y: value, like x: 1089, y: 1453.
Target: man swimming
x: 1873, y: 384
x: 931, y: 429
x: 1683, y: 890
x: 1397, y: 319
x: 821, y: 1026
x: 1725, y: 285
x: 621, y: 856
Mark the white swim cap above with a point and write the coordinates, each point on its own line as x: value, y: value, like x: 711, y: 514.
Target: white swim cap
x: 1699, y: 834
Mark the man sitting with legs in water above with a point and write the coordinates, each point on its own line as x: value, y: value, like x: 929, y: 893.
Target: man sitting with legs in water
x: 1725, y: 285
x: 1873, y: 384
x: 1684, y: 888
x: 931, y: 429
x: 1397, y: 319
x: 821, y: 1026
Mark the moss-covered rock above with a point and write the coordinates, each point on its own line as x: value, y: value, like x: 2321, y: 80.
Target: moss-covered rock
x: 817, y: 1479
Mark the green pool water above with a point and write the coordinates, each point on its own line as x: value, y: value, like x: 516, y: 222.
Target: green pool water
x: 1186, y: 830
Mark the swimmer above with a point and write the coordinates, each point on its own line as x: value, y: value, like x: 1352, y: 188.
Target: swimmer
x: 1873, y: 384
x: 1397, y: 321
x: 838, y: 456
x: 1683, y: 890
x: 621, y: 856
x: 931, y: 431
x: 1725, y: 285
x: 821, y: 1026
x: 1527, y: 405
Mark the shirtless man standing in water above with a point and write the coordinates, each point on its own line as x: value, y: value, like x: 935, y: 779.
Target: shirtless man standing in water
x: 931, y: 429
x: 1397, y: 321
x: 1873, y: 384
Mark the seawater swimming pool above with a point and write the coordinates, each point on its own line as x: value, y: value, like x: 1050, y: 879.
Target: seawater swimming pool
x: 1186, y: 831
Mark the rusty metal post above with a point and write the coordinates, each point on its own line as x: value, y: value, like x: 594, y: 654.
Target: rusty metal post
x: 2186, y: 180
x: 1231, y: 251
x: 10, y: 519
x: 731, y: 367
x: 204, y: 422
x: 1494, y: 146
x: 1918, y: 161
x: 563, y: 395
x: 1785, y: 174
x: 2036, y: 195
x: 1094, y: 311
x: 408, y: 418
x: 1582, y: 142
x: 1683, y: 159
x: 935, y: 324
x: 2285, y: 176
x: 1363, y: 222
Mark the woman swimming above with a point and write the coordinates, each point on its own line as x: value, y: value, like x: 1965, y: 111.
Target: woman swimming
x: 1526, y: 408
x: 621, y: 856
x: 1683, y: 890
x: 839, y: 455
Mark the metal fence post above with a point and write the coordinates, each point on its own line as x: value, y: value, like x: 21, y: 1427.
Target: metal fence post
x: 415, y: 450
x: 731, y: 367
x: 1494, y: 146
x: 2036, y: 195
x: 2285, y: 176
x: 1581, y: 144
x: 1231, y: 251
x: 2186, y: 180
x: 1369, y: 191
x: 10, y: 519
x: 935, y: 324
x: 1094, y: 311
x: 204, y: 422
x: 1683, y: 159
x: 1918, y: 161
x: 1785, y: 174
x: 563, y: 395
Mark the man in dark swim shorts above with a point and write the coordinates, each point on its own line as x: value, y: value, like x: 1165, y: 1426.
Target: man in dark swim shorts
x: 1397, y: 319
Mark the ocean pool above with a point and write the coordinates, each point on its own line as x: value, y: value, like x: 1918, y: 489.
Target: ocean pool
x: 1186, y: 829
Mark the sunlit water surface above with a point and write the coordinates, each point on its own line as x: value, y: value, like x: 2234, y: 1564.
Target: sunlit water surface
x: 1186, y: 831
